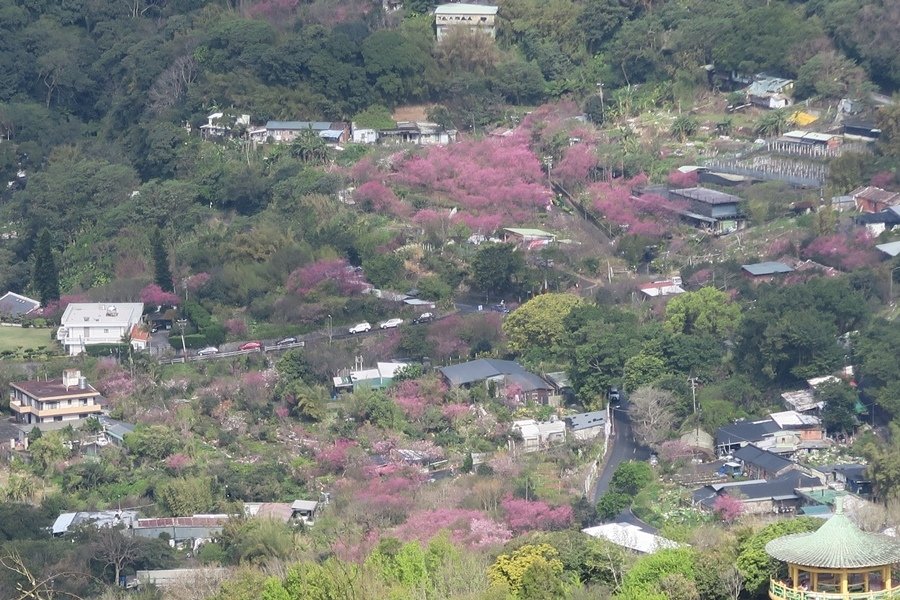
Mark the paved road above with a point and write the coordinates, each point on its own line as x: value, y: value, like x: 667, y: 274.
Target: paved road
x: 623, y: 448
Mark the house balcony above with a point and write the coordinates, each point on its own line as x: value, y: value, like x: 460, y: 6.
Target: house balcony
x: 76, y: 409
x: 779, y: 590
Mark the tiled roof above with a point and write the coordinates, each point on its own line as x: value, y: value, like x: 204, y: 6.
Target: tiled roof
x: 212, y: 521
x: 746, y: 432
x: 838, y: 544
x: 706, y: 196
x: 763, y: 459
x: 487, y: 368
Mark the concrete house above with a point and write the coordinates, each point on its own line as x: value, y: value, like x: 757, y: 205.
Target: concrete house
x: 86, y: 324
x: 586, y: 426
x: 285, y: 132
x: 477, y: 17
x: 69, y: 398
x: 537, y: 435
x: 710, y: 209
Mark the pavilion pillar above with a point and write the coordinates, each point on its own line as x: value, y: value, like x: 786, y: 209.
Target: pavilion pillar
x: 887, y: 578
x: 795, y: 574
x: 844, y: 577
x: 815, y: 581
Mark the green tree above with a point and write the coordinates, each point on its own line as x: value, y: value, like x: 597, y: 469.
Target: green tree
x: 684, y: 127
x: 755, y: 564
x: 257, y: 540
x: 539, y: 323
x: 840, y: 403
x: 162, y: 274
x: 48, y: 450
x: 611, y: 504
x: 631, y: 476
x: 877, y: 349
x: 495, y: 267
x: 509, y: 570
x: 706, y: 311
x: 643, y: 368
x: 375, y: 117
x: 153, y: 442
x: 773, y: 123
x: 183, y: 497
x: 45, y: 276
x: 650, y: 571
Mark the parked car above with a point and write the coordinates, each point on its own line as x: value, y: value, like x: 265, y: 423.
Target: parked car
x: 285, y: 341
x: 391, y: 323
x: 424, y: 318
x: 500, y: 308
x: 614, y: 395
x: 207, y: 351
x: 251, y: 346
x: 360, y: 328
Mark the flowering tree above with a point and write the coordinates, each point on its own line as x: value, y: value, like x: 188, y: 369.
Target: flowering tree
x: 374, y: 196
x: 195, y: 282
x: 523, y: 515
x: 156, y: 296
x: 334, y: 458
x: 576, y: 166
x: 649, y: 215
x: 471, y: 528
x: 728, y: 508
x: 336, y: 271
x: 177, y: 462
x: 489, y: 181
x: 678, y: 179
x: 236, y: 327
x: 844, y: 251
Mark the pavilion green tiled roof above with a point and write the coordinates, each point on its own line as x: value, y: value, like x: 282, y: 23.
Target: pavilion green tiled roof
x: 838, y: 544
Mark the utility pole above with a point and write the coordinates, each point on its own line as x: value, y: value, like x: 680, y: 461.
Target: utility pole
x: 330, y: 329
x: 693, y: 382
x: 181, y: 324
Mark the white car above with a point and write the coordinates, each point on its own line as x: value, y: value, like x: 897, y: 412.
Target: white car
x: 391, y: 323
x: 360, y: 328
x: 208, y: 351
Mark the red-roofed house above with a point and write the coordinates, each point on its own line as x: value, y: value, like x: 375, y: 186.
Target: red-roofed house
x: 140, y: 337
x: 871, y: 199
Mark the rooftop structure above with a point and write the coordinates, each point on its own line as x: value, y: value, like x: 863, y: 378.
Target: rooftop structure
x: 15, y: 305
x: 666, y: 287
x: 485, y: 369
x: 68, y: 398
x: 586, y: 420
x: 631, y: 537
x: 375, y: 378
x: 838, y: 560
x: 100, y: 518
x: 766, y: 268
x: 892, y: 249
x: 85, y: 324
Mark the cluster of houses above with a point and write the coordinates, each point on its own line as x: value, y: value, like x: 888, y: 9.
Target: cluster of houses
x: 419, y: 133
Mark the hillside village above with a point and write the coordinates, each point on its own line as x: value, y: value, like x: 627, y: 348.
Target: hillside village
x: 576, y: 299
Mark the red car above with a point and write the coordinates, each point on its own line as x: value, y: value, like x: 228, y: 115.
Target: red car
x: 251, y: 346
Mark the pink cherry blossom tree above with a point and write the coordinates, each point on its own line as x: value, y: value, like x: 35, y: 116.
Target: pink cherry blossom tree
x: 335, y: 271
x: 523, y: 515
x: 154, y: 295
x: 728, y: 508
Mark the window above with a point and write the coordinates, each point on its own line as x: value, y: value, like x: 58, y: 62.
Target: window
x: 106, y: 331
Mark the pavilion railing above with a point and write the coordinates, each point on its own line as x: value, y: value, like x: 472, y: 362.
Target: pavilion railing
x: 781, y: 591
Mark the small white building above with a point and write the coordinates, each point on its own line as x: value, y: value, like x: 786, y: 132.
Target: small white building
x: 477, y: 17
x: 88, y: 324
x: 538, y: 435
x: 631, y: 537
x: 586, y: 426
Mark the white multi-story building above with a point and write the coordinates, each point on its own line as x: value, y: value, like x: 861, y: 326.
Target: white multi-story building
x: 86, y: 324
x: 476, y: 17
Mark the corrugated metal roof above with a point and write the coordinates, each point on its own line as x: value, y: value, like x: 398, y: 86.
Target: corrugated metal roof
x: 838, y: 544
x: 767, y: 268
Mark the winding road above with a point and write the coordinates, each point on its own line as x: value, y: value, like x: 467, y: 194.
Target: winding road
x: 624, y: 447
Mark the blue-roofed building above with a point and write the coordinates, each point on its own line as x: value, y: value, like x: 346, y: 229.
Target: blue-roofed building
x: 770, y: 92
x: 281, y: 132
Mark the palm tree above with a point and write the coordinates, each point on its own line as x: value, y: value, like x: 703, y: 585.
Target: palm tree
x: 684, y: 127
x: 21, y: 488
x: 773, y: 124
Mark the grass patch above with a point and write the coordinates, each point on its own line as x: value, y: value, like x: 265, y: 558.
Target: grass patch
x: 19, y: 339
